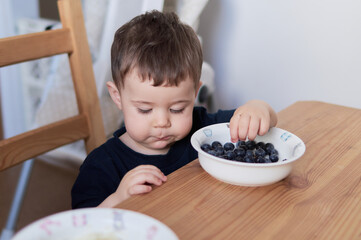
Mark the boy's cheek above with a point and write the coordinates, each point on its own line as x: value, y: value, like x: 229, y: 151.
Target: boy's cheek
x: 187, y: 123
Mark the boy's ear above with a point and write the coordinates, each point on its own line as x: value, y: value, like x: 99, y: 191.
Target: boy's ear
x: 114, y: 94
x: 199, y: 86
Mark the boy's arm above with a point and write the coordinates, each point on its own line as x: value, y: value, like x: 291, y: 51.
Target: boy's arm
x: 136, y: 181
x: 252, y: 119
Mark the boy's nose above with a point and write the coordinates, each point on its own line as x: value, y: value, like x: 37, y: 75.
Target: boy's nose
x: 162, y: 120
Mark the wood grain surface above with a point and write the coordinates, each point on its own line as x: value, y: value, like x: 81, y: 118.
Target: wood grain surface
x: 320, y: 199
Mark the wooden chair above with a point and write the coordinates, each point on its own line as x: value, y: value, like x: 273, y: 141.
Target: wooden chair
x: 88, y: 124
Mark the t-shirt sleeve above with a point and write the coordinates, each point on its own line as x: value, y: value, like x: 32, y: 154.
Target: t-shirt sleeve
x: 95, y: 182
x: 201, y: 118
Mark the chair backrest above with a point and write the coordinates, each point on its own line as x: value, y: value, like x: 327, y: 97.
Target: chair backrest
x: 88, y: 124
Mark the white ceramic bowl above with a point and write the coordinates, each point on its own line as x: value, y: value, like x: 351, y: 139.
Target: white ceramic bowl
x: 289, y: 146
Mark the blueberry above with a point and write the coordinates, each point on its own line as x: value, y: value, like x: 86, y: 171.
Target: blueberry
x: 206, y: 147
x: 269, y: 147
x: 242, y: 147
x: 268, y: 161
x: 240, y: 152
x: 245, y: 151
x: 261, y: 145
x: 216, y: 144
x: 260, y: 152
x: 239, y: 158
x: 219, y: 151
x: 273, y: 151
x: 248, y: 159
x: 228, y: 146
x: 241, y: 143
x: 212, y: 152
x: 261, y: 160
x: 273, y: 157
x: 251, y: 145
x: 231, y: 155
x: 249, y: 153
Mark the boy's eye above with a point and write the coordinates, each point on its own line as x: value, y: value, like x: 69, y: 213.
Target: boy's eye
x: 176, y: 110
x: 144, y: 111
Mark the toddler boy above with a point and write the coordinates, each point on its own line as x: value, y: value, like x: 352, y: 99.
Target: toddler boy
x: 156, y: 68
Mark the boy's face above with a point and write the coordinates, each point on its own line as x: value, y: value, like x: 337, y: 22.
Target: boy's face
x: 155, y: 117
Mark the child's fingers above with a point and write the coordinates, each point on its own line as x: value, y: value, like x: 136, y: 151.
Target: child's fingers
x: 264, y: 126
x: 146, y: 177
x: 239, y: 127
x: 233, y: 128
x: 138, y: 189
x: 139, y: 183
x: 150, y: 169
x: 138, y: 180
x: 253, y: 128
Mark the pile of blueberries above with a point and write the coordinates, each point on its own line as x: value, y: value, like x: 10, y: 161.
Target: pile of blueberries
x: 243, y: 151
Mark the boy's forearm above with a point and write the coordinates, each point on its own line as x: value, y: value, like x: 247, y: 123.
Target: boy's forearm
x: 111, y: 201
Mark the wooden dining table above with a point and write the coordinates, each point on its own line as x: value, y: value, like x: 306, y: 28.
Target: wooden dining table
x: 319, y: 199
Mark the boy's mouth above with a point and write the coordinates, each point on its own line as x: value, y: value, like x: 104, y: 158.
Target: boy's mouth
x: 166, y: 138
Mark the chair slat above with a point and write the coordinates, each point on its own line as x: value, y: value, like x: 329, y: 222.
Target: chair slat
x: 83, y: 76
x: 38, y: 141
x: 88, y: 125
x: 34, y: 45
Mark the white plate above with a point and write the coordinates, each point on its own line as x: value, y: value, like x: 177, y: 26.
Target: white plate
x: 96, y: 223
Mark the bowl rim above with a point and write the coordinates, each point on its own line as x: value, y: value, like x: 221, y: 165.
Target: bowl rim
x: 196, y: 146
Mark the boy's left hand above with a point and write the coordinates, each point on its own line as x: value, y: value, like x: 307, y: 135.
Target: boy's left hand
x: 254, y: 117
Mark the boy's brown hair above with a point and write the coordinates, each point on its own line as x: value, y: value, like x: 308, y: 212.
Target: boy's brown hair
x: 160, y: 47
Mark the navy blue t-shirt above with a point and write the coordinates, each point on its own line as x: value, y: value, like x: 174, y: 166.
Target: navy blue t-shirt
x: 104, y: 168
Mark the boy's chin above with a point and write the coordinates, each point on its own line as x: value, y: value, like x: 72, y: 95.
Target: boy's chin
x: 160, y: 148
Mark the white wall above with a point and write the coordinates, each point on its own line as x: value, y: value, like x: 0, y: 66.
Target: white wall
x: 284, y: 51
x: 10, y: 82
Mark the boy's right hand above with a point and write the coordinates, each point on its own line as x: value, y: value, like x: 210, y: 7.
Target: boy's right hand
x: 136, y: 181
